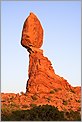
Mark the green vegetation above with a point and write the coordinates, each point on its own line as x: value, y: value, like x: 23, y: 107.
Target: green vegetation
x: 13, y: 104
x: 79, y: 109
x: 32, y: 105
x: 73, y: 116
x: 39, y: 113
x: 55, y: 90
x: 52, y: 92
x: 34, y: 97
x: 65, y: 102
x: 78, y: 101
x: 24, y: 106
x: 22, y: 93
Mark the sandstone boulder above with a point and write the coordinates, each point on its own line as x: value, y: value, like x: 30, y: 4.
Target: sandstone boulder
x: 32, y: 33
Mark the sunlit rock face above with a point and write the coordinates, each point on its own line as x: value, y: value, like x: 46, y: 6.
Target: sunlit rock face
x: 42, y: 77
x: 32, y: 33
x: 43, y: 82
x: 40, y: 69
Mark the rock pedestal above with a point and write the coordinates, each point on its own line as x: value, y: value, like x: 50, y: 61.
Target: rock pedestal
x: 42, y: 78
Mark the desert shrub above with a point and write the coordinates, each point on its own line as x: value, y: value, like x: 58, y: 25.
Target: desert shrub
x: 56, y: 90
x: 24, y: 106
x: 32, y: 105
x: 34, y: 97
x: 79, y: 109
x: 13, y: 104
x: 73, y: 116
x: 41, y: 113
x: 52, y: 92
x: 46, y: 113
x: 22, y: 93
x: 78, y: 101
x: 5, y: 111
x: 65, y: 102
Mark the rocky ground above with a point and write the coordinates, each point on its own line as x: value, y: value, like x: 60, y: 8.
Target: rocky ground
x: 62, y: 99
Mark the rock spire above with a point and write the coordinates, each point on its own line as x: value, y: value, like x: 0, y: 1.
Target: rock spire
x: 44, y: 86
x: 42, y: 77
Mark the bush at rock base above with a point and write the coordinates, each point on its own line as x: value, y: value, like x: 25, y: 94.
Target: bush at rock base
x: 40, y: 113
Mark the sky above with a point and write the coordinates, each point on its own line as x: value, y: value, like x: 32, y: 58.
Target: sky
x: 61, y: 22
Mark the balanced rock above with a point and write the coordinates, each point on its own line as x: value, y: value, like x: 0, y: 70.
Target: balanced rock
x: 44, y: 86
x: 42, y: 77
x: 32, y: 34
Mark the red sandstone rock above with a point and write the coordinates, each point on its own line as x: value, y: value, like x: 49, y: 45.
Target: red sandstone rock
x: 42, y: 78
x: 77, y: 89
x: 32, y: 34
x: 62, y: 99
x: 44, y: 86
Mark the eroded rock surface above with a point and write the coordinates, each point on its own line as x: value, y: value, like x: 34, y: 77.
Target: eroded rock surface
x: 43, y: 83
x: 32, y: 34
x: 42, y: 78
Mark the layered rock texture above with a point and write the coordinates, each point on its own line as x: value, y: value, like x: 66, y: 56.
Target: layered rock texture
x: 44, y: 86
x: 42, y: 78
